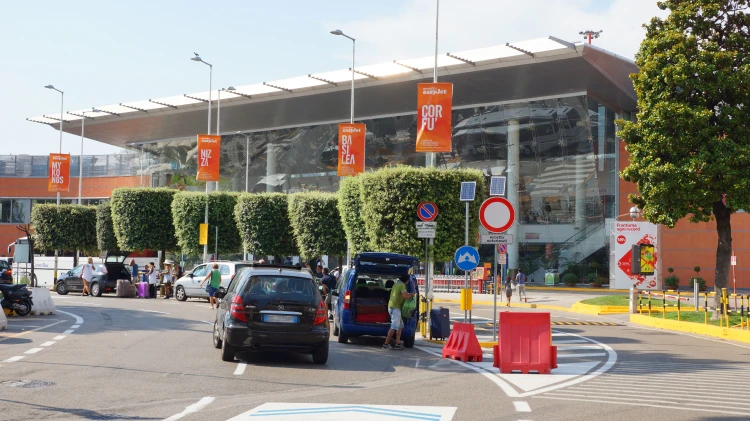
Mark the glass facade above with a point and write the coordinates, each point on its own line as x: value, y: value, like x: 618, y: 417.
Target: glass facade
x: 93, y: 165
x: 558, y: 154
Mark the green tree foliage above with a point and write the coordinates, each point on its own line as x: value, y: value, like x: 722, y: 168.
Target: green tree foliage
x: 105, y: 230
x: 317, y: 225
x: 390, y: 197
x: 188, y: 212
x: 350, y: 207
x: 263, y: 223
x: 65, y: 227
x: 690, y: 145
x: 142, y: 218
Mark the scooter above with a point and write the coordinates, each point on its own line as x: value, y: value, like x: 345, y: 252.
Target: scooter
x: 17, y: 299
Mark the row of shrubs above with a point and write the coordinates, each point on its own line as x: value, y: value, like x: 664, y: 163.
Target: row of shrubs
x: 376, y: 211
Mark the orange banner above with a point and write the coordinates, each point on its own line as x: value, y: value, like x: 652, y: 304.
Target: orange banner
x: 434, y: 106
x: 351, y: 149
x: 59, y: 172
x: 209, y: 154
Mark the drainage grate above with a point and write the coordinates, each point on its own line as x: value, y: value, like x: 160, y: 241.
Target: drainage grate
x: 26, y: 384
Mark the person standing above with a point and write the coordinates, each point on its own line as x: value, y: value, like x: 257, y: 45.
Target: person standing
x: 167, y: 280
x: 152, y: 280
x: 521, y: 281
x: 133, y: 271
x: 396, y: 301
x: 87, y: 273
x: 214, y: 283
x: 508, y: 289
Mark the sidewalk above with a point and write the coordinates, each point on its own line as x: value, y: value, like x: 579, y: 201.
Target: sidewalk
x: 552, y: 299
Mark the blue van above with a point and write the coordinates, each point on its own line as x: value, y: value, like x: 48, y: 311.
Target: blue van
x: 360, y: 300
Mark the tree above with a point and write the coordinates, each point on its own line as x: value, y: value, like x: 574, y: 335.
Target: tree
x: 64, y: 227
x: 142, y: 218
x: 263, y: 223
x: 690, y: 145
x: 105, y: 231
x: 317, y: 225
x: 189, y: 211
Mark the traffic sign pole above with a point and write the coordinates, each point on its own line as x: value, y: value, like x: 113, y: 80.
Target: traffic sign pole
x: 494, y: 290
x: 466, y: 239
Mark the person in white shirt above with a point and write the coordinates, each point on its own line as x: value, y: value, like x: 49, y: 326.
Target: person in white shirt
x: 167, y: 280
x: 87, y: 273
x: 152, y: 280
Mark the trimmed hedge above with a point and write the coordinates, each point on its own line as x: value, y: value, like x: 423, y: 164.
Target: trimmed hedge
x: 317, y: 225
x: 64, y: 227
x: 350, y: 208
x: 389, y: 200
x: 263, y: 224
x: 188, y: 212
x: 105, y: 231
x: 142, y: 218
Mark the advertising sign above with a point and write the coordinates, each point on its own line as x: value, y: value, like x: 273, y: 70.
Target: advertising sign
x: 59, y: 172
x: 203, y: 234
x: 351, y: 149
x: 209, y: 154
x: 623, y: 236
x: 434, y: 107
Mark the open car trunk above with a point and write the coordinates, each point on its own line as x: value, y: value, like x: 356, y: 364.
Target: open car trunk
x: 371, y: 299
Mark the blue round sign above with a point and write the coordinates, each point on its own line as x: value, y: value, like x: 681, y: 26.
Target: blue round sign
x: 427, y: 211
x: 467, y: 258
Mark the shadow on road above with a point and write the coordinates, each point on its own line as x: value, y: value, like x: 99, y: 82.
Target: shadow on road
x: 83, y: 413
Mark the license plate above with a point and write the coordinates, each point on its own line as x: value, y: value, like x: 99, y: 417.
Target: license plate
x: 276, y: 318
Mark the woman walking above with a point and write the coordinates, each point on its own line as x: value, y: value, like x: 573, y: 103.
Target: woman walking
x: 213, y: 286
x: 87, y: 273
x: 508, y: 290
x: 166, y: 279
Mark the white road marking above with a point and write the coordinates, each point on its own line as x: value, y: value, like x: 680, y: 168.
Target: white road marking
x: 522, y: 406
x: 154, y: 311
x: 191, y: 409
x: 59, y: 337
x: 32, y: 330
x: 14, y: 359
x: 571, y: 348
x: 581, y: 355
x: 208, y: 323
x: 570, y: 341
x: 240, y: 368
x: 75, y: 326
x: 33, y: 350
x: 48, y: 343
x: 83, y: 302
x: 79, y: 319
x: 328, y: 412
x: 68, y: 332
x: 687, y: 334
x: 644, y: 404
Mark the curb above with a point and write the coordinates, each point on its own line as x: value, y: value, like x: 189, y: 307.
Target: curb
x: 500, y: 304
x: 594, y: 310
x: 481, y: 344
x: 690, y: 327
x: 569, y: 289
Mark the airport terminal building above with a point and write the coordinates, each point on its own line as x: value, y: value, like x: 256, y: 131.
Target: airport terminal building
x: 542, y: 112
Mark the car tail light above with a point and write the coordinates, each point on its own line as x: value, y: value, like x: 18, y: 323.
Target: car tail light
x: 238, y: 309
x: 231, y: 278
x: 322, y: 314
x: 347, y: 299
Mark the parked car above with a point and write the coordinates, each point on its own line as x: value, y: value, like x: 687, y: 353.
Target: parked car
x: 104, y: 280
x: 360, y: 300
x: 272, y: 307
x: 6, y: 272
x: 189, y: 285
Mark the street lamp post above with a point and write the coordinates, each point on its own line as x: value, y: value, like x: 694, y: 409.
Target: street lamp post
x: 62, y: 101
x: 210, y: 86
x: 339, y: 32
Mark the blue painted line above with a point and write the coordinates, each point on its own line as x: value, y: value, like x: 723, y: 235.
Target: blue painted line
x: 362, y: 409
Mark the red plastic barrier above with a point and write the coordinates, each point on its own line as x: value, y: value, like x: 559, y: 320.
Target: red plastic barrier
x: 525, y: 343
x: 462, y: 344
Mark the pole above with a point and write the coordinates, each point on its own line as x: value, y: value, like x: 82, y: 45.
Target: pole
x: 62, y: 102
x: 210, y: 86
x: 734, y: 282
x: 141, y: 165
x: 494, y: 290
x: 466, y: 241
x: 80, y: 158
x: 216, y: 244
x: 351, y: 120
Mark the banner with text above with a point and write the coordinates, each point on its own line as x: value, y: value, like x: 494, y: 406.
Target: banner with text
x: 434, y: 106
x: 209, y: 154
x: 59, y: 172
x: 623, y: 235
x: 351, y: 149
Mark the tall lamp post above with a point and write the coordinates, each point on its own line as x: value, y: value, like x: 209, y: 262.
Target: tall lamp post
x: 210, y: 86
x: 62, y: 101
x: 351, y: 120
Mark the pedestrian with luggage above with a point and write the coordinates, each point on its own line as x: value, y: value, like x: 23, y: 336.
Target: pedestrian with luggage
x: 152, y: 280
x: 521, y: 282
x: 87, y: 274
x: 508, y: 289
x: 213, y: 285
x: 396, y: 301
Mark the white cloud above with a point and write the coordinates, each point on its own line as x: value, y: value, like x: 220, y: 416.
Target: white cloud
x: 468, y: 24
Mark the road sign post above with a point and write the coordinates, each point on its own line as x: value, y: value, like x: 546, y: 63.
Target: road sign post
x: 427, y: 212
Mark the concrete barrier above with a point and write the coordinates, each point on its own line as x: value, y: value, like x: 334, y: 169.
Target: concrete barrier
x: 43, y: 303
x: 3, y: 321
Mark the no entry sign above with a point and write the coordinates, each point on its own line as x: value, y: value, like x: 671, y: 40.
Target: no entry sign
x: 427, y: 211
x: 497, y: 215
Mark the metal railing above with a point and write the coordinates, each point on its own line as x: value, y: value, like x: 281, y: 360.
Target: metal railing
x: 126, y: 164
x: 741, y: 307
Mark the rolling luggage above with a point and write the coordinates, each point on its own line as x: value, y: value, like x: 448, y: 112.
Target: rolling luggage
x: 125, y: 289
x: 440, y: 323
x: 143, y: 290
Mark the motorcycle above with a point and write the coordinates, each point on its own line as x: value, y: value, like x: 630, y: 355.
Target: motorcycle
x: 16, y: 298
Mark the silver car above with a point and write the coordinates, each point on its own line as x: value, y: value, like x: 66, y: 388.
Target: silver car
x: 189, y: 285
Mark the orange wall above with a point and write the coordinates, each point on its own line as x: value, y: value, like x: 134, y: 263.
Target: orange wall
x: 36, y: 188
x: 688, y: 245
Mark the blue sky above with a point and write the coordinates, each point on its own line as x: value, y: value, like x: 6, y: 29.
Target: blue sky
x: 103, y: 53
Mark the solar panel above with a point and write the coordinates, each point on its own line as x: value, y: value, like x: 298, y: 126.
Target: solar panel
x: 468, y: 188
x: 497, y: 186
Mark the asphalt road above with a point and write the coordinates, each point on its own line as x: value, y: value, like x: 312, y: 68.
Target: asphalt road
x: 133, y: 359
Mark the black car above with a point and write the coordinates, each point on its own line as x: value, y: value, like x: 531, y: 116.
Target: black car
x: 271, y: 307
x: 104, y: 280
x: 6, y: 273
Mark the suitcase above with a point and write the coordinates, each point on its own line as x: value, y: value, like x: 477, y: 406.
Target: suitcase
x: 371, y: 306
x: 125, y: 289
x: 143, y: 290
x: 371, y: 318
x: 440, y: 323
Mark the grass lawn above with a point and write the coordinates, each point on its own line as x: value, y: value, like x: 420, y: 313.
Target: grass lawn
x: 622, y: 300
x: 697, y: 317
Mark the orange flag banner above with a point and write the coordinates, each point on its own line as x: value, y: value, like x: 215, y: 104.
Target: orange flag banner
x: 209, y: 154
x: 59, y: 173
x: 351, y: 149
x: 434, y: 107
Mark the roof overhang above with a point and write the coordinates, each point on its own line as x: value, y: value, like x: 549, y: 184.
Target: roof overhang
x: 487, y: 77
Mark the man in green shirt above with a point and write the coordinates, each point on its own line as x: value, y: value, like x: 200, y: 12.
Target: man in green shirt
x: 214, y: 283
x: 396, y: 301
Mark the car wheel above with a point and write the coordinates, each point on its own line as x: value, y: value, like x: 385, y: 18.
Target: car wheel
x: 409, y: 341
x: 22, y: 309
x: 180, y: 294
x: 227, y: 351
x: 96, y: 290
x: 343, y: 337
x: 217, y: 340
x: 320, y: 356
x: 335, y: 328
x: 61, y: 288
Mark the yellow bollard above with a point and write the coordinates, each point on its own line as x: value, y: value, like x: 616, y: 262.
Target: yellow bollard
x: 664, y: 304
x: 705, y: 307
x: 648, y: 294
x: 678, y: 305
x: 466, y: 299
x: 725, y: 303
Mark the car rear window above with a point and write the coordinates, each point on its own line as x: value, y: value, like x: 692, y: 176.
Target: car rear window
x: 4, y: 264
x: 266, y: 287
